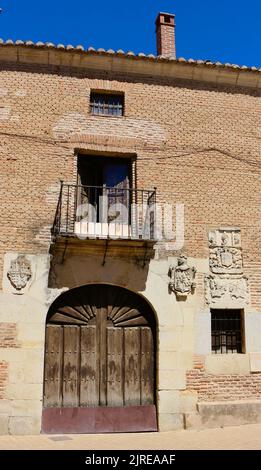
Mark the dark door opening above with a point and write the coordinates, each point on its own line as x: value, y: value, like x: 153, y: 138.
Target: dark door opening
x: 107, y: 177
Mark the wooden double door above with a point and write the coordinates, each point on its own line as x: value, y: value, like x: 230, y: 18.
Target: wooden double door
x: 99, y: 362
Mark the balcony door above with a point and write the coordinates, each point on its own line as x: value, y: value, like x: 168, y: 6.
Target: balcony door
x: 99, y: 362
x: 110, y: 178
x: 116, y: 186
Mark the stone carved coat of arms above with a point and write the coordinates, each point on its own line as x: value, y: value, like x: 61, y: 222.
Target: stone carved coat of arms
x: 225, y: 260
x: 182, y: 278
x: 226, y: 281
x: 225, y: 253
x: 19, y: 272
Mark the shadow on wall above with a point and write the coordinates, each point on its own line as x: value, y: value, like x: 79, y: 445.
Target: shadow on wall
x: 81, y: 73
x: 73, y: 270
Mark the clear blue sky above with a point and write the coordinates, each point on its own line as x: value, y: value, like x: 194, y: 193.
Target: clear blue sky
x: 224, y: 30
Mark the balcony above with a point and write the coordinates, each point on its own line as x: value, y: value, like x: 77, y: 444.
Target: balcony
x: 110, y: 213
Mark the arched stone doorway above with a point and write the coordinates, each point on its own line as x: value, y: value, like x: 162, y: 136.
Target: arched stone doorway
x: 99, y: 362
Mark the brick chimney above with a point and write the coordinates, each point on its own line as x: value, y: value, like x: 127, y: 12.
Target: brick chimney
x: 165, y: 30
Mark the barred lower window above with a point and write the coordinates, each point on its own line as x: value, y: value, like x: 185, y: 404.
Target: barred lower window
x: 107, y: 104
x: 226, y: 331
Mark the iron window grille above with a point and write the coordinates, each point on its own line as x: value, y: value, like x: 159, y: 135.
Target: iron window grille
x: 107, y: 104
x: 226, y: 331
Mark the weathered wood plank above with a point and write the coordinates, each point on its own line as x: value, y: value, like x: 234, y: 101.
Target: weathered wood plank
x: 88, y: 310
x: 53, y: 366
x: 131, y: 313
x: 60, y: 319
x: 73, y: 313
x: 71, y: 366
x: 121, y: 311
x: 114, y: 366
x: 119, y: 300
x: 137, y: 321
x: 132, y: 383
x: 147, y: 367
x: 101, y: 317
x: 88, y: 369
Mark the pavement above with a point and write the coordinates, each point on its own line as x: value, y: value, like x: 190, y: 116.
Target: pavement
x: 247, y: 437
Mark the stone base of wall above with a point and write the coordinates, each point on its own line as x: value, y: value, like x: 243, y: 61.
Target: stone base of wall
x: 220, y: 414
x: 228, y: 393
x: 20, y: 425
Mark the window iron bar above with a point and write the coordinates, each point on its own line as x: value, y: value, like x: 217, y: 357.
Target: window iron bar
x: 226, y: 332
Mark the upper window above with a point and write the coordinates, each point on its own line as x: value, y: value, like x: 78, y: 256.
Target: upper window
x: 107, y: 104
x: 226, y: 331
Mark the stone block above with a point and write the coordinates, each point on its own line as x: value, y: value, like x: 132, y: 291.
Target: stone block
x: 34, y: 311
x: 4, y: 425
x: 22, y: 355
x: 170, y: 422
x: 187, y: 340
x: 255, y: 362
x: 66, y: 59
x: 26, y: 372
x: 185, y: 360
x: 203, y: 332
x: 169, y: 315
x: 192, y: 421
x: 169, y: 401
x: 170, y: 339
x: 5, y: 407
x: 55, y: 57
x: 38, y: 56
x: 35, y: 355
x: 24, y: 391
x: 233, y: 413
x: 227, y: 364
x: 31, y: 335
x: 8, y: 54
x: 252, y: 331
x: 26, y: 408
x: 172, y: 380
x: 246, y: 79
x: 188, y: 401
x: 189, y: 314
x: 22, y: 425
x: 167, y: 360
x: 12, y: 355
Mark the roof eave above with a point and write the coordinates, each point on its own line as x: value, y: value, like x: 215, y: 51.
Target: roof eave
x: 150, y: 65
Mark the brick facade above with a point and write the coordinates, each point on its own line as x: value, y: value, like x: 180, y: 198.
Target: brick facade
x: 8, y: 335
x: 222, y: 387
x: 193, y: 133
x: 196, y: 140
x: 3, y: 378
x: 190, y: 139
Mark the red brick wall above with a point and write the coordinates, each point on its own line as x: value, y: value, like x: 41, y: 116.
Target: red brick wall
x: 3, y: 378
x: 198, y: 144
x: 8, y: 335
x: 222, y: 387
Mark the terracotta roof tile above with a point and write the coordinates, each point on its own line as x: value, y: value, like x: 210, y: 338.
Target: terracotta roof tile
x: 120, y: 52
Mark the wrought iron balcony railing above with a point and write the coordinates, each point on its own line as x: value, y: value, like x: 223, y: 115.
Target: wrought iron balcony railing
x: 103, y: 212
